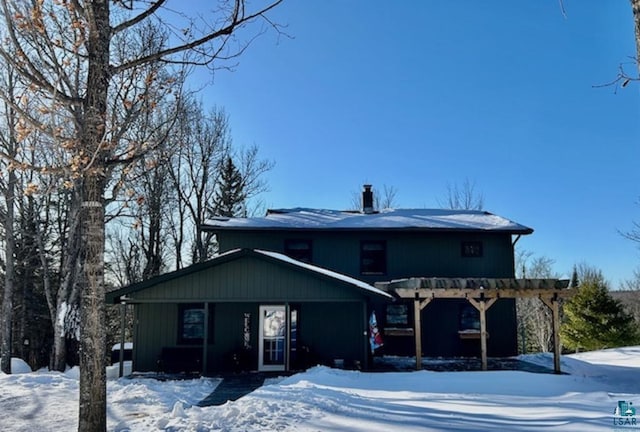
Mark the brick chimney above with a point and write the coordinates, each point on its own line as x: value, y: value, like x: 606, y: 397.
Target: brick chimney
x: 367, y: 199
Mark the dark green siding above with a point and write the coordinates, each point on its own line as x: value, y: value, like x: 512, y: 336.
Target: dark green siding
x: 250, y: 279
x: 329, y: 331
x: 229, y: 338
x: 409, y: 254
x: 331, y: 315
x: 413, y: 254
x: 156, y: 326
x: 333, y: 331
x: 441, y: 319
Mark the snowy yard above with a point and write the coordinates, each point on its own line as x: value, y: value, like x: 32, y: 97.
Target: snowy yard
x: 324, y: 399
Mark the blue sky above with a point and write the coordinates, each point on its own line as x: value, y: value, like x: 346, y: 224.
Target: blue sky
x: 419, y: 95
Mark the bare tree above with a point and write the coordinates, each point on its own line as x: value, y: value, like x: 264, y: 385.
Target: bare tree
x: 252, y: 168
x: 194, y: 171
x: 66, y: 56
x: 68, y: 293
x: 534, y: 318
x: 8, y: 141
x: 463, y: 197
x: 629, y: 295
x: 632, y: 284
x: 146, y: 199
x: 633, y: 233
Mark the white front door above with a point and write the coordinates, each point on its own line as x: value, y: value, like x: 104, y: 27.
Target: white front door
x: 273, y: 338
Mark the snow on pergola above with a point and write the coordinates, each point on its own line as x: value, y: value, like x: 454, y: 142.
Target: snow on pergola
x: 481, y: 293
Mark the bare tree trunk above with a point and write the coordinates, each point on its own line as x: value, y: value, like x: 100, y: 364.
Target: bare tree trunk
x: 6, y: 319
x: 9, y: 278
x: 93, y: 380
x: 93, y: 397
x: 68, y: 291
x: 48, y: 293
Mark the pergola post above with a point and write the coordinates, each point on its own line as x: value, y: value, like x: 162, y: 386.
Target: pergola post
x: 482, y: 305
x: 553, y: 304
x: 417, y: 327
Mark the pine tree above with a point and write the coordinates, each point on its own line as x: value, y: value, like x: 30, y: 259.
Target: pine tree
x: 230, y: 195
x: 574, y: 278
x: 593, y: 319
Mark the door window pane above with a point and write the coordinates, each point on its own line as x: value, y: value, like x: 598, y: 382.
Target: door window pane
x: 273, y: 334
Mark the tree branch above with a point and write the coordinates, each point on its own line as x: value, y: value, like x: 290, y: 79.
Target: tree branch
x: 237, y: 20
x: 139, y: 18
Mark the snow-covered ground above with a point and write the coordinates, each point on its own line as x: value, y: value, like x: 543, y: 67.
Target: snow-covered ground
x: 324, y: 399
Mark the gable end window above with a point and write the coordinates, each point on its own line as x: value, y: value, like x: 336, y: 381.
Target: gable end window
x: 191, y: 322
x: 373, y: 257
x: 471, y: 249
x: 298, y: 249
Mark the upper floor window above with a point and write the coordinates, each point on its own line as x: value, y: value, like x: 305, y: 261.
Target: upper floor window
x: 373, y: 257
x: 298, y: 249
x: 471, y: 249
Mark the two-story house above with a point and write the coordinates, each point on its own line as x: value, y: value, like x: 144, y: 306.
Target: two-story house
x: 296, y: 287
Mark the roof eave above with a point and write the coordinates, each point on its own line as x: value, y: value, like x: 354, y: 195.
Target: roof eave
x: 214, y: 228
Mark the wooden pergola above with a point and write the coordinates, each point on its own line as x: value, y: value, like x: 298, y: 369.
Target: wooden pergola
x: 482, y: 294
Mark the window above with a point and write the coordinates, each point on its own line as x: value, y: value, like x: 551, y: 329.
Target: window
x: 469, y: 318
x: 471, y: 249
x: 191, y: 322
x: 397, y: 315
x: 298, y: 249
x: 373, y: 257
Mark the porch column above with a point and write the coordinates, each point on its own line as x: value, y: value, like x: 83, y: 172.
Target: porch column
x: 482, y: 305
x: 205, y: 339
x: 123, y: 321
x: 367, y: 346
x: 287, y: 339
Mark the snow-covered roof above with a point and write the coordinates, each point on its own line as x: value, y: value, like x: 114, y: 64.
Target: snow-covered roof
x: 390, y: 219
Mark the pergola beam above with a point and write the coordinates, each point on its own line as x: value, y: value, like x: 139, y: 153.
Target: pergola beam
x: 488, y: 293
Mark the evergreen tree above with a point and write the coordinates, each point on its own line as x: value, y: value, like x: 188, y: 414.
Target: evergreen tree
x: 593, y: 319
x: 574, y: 278
x: 230, y: 196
